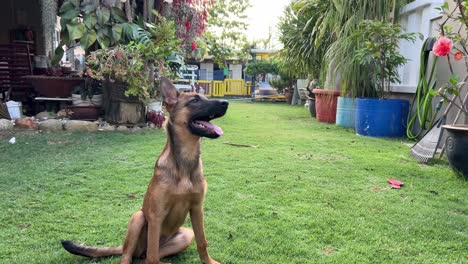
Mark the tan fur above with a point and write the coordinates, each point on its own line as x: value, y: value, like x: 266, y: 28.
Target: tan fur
x: 178, y: 188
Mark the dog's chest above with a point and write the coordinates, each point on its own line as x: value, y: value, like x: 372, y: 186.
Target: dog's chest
x: 179, y: 201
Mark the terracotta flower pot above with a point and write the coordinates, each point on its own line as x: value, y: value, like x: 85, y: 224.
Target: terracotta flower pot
x: 325, y: 105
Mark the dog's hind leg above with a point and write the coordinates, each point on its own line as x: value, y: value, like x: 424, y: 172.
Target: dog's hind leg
x: 133, y: 242
x: 177, y: 243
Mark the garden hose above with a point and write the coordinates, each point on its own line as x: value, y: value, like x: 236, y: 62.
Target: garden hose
x: 423, y: 98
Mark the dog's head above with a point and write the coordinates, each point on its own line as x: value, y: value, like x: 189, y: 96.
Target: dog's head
x: 191, y: 111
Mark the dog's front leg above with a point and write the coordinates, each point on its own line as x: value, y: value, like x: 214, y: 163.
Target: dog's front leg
x: 196, y: 216
x: 154, y: 234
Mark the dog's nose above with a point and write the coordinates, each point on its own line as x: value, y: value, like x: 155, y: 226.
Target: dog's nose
x: 224, y: 103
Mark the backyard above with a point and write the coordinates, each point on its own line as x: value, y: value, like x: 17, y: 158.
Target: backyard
x: 300, y: 192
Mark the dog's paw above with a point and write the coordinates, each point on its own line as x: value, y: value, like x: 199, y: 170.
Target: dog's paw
x: 211, y: 261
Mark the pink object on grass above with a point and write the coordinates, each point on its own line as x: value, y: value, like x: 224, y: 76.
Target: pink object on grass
x: 395, y: 184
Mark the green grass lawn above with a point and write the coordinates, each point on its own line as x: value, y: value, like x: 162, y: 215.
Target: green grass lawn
x: 309, y: 193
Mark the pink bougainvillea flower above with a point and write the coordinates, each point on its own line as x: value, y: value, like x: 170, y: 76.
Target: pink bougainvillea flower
x: 442, y: 46
x: 458, y: 56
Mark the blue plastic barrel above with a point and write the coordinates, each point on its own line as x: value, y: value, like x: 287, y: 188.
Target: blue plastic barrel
x: 346, y: 112
x: 381, y: 117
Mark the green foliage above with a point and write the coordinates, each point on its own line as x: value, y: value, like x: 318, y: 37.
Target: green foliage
x: 130, y: 64
x: 377, y: 51
x: 227, y: 23
x: 262, y: 68
x: 314, y: 34
x: 422, y: 103
x: 134, y: 63
x: 304, y: 45
x: 96, y: 26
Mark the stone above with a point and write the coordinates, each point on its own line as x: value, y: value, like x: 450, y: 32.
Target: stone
x: 80, y: 126
x: 51, y: 125
x: 107, y: 127
x: 64, y: 113
x: 122, y: 129
x: 5, y: 124
x: 135, y: 129
x: 26, y: 123
x: 45, y: 115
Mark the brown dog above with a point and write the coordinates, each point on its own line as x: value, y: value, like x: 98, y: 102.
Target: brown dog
x: 177, y: 188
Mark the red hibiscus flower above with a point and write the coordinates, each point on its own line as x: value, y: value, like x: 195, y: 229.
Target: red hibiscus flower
x: 194, y: 46
x: 458, y: 56
x: 442, y: 46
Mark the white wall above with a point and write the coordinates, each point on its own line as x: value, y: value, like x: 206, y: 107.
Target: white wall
x: 235, y: 71
x: 206, y: 71
x: 418, y: 16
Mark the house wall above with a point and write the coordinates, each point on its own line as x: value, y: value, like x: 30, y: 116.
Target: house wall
x: 421, y: 16
x: 16, y: 13
x: 206, y: 71
x: 235, y: 71
x: 418, y: 16
x: 38, y: 15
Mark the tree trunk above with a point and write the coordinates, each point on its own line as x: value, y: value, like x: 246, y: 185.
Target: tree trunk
x: 129, y: 10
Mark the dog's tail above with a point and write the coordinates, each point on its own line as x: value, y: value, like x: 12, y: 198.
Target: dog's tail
x: 92, y: 252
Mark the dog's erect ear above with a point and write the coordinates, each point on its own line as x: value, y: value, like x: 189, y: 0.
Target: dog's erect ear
x: 169, y: 92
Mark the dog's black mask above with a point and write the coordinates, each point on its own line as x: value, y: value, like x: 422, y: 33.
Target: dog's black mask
x: 203, y: 111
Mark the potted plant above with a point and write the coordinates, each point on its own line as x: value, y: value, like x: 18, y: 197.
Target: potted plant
x: 378, y: 53
x: 87, y: 100
x: 346, y: 112
x: 325, y: 104
x: 127, y: 79
x: 127, y: 72
x: 452, y: 45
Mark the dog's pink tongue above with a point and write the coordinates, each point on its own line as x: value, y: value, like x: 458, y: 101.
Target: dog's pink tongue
x: 216, y: 129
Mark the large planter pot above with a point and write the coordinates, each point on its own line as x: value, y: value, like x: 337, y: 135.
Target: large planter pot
x: 51, y: 86
x: 90, y: 113
x: 96, y: 100
x: 120, y: 109
x: 457, y: 148
x: 346, y: 112
x: 325, y: 105
x: 381, y: 117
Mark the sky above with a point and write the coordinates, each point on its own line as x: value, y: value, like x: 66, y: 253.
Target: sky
x: 263, y: 15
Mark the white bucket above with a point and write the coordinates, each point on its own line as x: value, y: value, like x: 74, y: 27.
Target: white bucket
x: 14, y: 109
x: 155, y: 106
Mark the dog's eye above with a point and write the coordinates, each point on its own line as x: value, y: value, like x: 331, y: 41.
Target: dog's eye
x: 195, y: 100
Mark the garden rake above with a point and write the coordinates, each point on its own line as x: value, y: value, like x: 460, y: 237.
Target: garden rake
x: 424, y: 150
